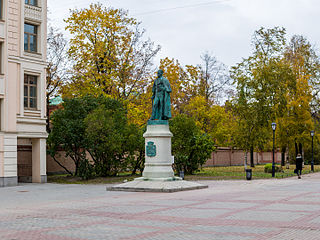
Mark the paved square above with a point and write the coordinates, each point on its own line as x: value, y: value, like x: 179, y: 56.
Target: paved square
x: 227, y: 210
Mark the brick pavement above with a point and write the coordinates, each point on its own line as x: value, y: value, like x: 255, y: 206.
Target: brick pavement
x: 259, y: 209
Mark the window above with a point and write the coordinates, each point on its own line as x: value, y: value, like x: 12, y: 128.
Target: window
x: 1, y: 114
x: 30, y: 37
x: 1, y: 9
x: 1, y: 58
x: 31, y: 2
x: 30, y: 91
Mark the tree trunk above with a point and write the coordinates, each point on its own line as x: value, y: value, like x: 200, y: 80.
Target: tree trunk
x: 251, y: 157
x: 283, y: 156
x: 67, y: 170
x: 77, y: 163
x: 137, y: 163
x: 300, y: 148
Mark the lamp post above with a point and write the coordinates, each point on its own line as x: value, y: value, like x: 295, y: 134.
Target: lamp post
x: 312, y: 165
x: 273, y: 125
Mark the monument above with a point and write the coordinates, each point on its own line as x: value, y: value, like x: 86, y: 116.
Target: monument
x: 158, y: 175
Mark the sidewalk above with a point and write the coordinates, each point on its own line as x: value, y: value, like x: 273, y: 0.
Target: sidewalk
x: 259, y: 209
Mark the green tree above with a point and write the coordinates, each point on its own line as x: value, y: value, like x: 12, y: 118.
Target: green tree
x: 275, y: 85
x: 259, y: 80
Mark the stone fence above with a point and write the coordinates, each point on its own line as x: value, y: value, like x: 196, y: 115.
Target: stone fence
x: 225, y: 156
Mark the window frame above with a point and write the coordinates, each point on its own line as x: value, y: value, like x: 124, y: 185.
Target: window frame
x: 35, y: 35
x: 27, y: 84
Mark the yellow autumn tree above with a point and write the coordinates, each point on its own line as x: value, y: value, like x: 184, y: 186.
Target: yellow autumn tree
x: 298, y: 122
x: 140, y: 108
x: 217, y: 121
x: 108, y: 53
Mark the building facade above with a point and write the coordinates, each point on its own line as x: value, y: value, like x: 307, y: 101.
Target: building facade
x: 23, y: 26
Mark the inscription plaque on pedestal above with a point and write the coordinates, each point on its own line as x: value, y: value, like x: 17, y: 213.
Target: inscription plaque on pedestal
x: 151, y: 149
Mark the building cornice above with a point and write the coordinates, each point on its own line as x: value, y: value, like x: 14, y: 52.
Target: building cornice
x: 25, y: 134
x: 25, y: 59
x: 31, y: 120
x: 32, y: 135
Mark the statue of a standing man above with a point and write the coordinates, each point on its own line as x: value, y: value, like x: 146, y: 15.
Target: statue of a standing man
x: 161, y: 106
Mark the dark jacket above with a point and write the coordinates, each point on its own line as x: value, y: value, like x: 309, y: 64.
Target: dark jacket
x: 299, y: 163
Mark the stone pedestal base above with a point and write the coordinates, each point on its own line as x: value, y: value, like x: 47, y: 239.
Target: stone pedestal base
x: 140, y: 185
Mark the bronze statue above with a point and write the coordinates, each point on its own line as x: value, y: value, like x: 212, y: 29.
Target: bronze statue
x: 161, y: 104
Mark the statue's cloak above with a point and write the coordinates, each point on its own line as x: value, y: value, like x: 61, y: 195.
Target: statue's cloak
x: 166, y: 101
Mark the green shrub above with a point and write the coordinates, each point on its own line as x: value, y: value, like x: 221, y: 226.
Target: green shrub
x: 268, y: 168
x: 86, y: 170
x: 114, y: 144
x: 190, y: 147
x: 68, y: 129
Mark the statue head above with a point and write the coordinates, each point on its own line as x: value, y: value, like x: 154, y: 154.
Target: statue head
x: 160, y: 73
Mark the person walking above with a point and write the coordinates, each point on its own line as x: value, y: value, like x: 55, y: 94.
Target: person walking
x: 299, y: 165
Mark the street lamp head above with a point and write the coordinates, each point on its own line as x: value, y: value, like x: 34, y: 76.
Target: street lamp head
x: 273, y: 125
x: 312, y: 133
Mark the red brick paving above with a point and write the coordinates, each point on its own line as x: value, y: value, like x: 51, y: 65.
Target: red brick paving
x: 258, y: 209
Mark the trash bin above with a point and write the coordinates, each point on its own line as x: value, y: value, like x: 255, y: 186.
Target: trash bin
x: 249, y: 174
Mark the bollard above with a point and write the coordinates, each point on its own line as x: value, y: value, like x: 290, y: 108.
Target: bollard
x: 182, y: 174
x: 287, y: 165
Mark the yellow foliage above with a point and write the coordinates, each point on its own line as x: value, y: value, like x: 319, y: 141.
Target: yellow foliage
x: 108, y: 54
x: 296, y: 124
x: 214, y: 120
x: 139, y: 109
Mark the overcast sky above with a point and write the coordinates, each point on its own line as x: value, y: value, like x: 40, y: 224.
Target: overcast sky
x: 187, y: 28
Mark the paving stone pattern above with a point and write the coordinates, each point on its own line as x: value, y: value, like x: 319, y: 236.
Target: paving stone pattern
x: 283, y: 209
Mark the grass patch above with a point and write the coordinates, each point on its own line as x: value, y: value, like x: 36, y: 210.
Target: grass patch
x: 206, y: 173
x: 237, y: 172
